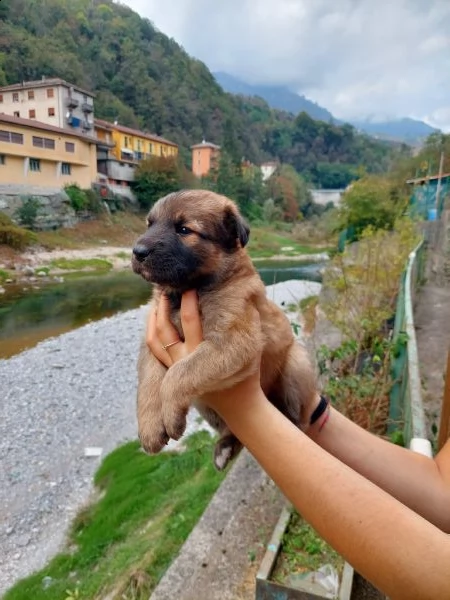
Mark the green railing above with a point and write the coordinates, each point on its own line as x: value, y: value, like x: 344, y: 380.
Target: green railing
x: 406, y: 408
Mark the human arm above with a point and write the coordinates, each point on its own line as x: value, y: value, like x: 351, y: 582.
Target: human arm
x: 392, y: 546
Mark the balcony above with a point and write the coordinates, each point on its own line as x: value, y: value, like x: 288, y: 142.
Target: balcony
x: 87, y: 108
x: 86, y: 125
x: 72, y: 102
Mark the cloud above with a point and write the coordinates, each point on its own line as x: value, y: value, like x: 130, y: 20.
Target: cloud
x: 389, y: 58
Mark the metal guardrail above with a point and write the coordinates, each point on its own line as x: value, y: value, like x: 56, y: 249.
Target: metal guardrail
x: 406, y: 406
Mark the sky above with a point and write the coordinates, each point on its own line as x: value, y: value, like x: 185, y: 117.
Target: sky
x: 372, y: 59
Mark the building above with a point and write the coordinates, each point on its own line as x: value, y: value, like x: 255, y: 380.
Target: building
x: 52, y: 101
x: 205, y: 157
x: 123, y: 148
x: 36, y: 154
x: 268, y: 169
x: 324, y: 197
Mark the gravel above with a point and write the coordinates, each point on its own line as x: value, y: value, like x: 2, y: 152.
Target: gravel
x: 68, y: 394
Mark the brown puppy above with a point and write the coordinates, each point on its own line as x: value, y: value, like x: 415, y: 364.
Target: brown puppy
x: 195, y: 240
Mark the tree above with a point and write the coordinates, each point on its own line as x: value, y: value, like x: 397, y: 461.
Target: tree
x: 157, y: 177
x: 289, y: 192
x: 371, y: 201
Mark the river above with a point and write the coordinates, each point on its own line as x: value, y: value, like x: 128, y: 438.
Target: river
x: 28, y: 316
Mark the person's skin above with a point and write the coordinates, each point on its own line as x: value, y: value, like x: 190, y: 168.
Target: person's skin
x: 384, y: 508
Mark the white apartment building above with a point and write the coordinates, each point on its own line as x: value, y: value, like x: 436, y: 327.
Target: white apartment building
x: 52, y: 101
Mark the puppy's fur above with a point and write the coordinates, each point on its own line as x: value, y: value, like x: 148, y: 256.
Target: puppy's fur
x: 195, y: 240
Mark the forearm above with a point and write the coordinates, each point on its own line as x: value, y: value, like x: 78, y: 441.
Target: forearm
x: 412, y: 478
x: 372, y: 530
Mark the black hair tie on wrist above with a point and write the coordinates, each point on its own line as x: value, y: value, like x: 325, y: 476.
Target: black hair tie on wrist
x: 319, y: 410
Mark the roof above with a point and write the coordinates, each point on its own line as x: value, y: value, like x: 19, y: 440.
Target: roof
x: 136, y: 132
x: 44, y: 82
x: 428, y: 178
x: 205, y: 145
x: 37, y: 125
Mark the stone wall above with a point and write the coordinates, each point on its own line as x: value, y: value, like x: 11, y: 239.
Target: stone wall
x: 55, y: 210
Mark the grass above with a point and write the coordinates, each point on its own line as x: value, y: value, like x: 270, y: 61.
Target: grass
x: 80, y: 264
x: 265, y: 242
x: 121, y: 545
x: 120, y: 229
x: 4, y: 275
x: 303, y: 550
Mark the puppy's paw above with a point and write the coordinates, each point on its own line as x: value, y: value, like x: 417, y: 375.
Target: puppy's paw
x: 174, y: 418
x: 154, y: 438
x: 225, y: 450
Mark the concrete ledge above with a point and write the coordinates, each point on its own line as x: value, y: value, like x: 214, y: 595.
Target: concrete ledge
x: 215, y: 562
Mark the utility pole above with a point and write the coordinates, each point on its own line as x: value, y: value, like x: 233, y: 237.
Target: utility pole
x: 439, y: 183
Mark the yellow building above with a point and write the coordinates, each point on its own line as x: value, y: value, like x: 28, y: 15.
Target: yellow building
x: 134, y: 145
x: 38, y: 154
x: 121, y: 148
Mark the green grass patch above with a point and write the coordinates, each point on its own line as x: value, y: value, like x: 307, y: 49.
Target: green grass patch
x: 80, y: 264
x: 124, y: 255
x: 4, y: 275
x: 266, y: 242
x: 303, y: 550
x: 123, y: 543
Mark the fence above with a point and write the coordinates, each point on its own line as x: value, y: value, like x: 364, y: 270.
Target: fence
x: 406, y: 405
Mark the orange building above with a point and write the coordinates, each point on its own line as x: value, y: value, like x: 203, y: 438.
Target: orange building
x: 205, y: 157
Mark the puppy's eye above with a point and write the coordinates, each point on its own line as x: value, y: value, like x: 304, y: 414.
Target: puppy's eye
x: 183, y: 230
x: 149, y: 223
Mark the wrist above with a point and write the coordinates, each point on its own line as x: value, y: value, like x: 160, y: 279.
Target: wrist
x: 319, y: 416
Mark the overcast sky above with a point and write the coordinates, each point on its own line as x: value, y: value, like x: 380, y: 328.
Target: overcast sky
x: 357, y: 58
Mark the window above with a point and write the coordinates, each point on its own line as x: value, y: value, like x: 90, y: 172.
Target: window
x: 40, y: 142
x: 35, y: 164
x: 16, y: 138
x: 10, y: 136
x: 31, y: 95
x: 70, y: 147
x: 51, y: 111
x: 32, y: 113
x: 150, y: 148
x: 126, y: 142
x: 16, y: 97
x: 2, y: 159
x: 50, y: 93
x: 65, y: 169
x: 17, y: 113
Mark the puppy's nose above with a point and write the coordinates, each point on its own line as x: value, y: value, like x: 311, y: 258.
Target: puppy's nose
x: 141, y: 252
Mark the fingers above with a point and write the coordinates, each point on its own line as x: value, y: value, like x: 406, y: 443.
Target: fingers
x: 191, y: 320
x: 153, y: 342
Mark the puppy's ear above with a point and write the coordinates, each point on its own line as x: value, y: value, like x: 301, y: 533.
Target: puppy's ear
x: 235, y: 228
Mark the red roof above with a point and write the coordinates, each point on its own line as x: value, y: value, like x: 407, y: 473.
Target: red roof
x: 26, y: 85
x: 136, y: 132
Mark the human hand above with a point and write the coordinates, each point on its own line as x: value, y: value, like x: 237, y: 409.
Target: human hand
x: 160, y: 332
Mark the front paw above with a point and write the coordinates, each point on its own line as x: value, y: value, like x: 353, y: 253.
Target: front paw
x: 174, y: 417
x: 153, y: 437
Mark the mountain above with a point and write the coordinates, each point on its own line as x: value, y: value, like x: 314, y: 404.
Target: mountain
x: 278, y: 97
x: 401, y: 130
x: 406, y: 129
x: 143, y: 79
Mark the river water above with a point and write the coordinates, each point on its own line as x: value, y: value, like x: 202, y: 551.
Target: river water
x: 28, y: 316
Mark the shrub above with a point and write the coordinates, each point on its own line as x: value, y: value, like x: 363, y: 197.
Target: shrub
x: 6, y: 221
x: 16, y: 237
x: 28, y: 212
x: 78, y: 198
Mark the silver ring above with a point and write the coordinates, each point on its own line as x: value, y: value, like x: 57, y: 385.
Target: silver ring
x: 171, y: 344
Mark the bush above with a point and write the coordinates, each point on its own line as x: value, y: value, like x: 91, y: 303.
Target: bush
x: 78, y: 198
x: 16, y: 237
x: 6, y: 221
x: 28, y: 212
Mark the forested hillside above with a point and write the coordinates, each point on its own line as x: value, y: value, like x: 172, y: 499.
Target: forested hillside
x: 144, y: 79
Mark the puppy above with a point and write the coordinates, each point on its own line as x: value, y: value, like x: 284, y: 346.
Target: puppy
x: 196, y: 240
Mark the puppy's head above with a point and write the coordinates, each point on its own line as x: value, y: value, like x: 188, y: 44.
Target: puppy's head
x: 191, y: 238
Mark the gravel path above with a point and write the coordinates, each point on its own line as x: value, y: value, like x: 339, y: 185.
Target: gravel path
x: 68, y: 393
